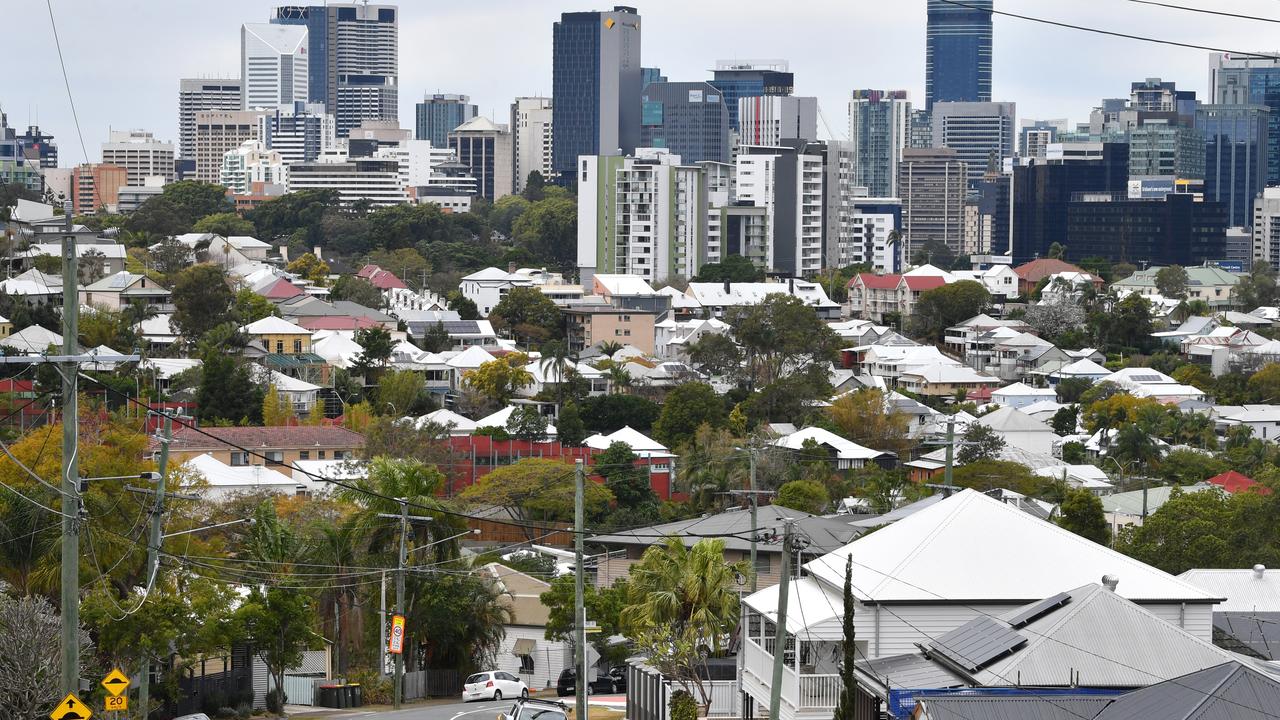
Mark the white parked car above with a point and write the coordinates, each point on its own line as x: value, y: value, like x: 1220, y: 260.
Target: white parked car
x: 197, y: 716
x: 493, y: 685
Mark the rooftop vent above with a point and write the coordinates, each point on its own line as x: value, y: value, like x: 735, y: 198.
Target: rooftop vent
x: 1110, y: 582
x: 1259, y: 570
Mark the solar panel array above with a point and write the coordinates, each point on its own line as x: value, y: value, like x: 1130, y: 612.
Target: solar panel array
x: 1031, y: 613
x: 977, y: 643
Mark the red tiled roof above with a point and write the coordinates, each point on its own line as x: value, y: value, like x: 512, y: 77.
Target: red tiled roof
x: 924, y: 282
x: 337, y: 322
x: 872, y: 281
x: 1037, y: 270
x: 982, y: 393
x: 273, y: 437
x: 281, y: 289
x: 1234, y: 482
x: 379, y: 278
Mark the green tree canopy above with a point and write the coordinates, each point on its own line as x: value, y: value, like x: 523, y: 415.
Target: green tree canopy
x: 734, y: 268
x: 803, y: 495
x: 225, y: 224
x: 948, y: 305
x: 781, y: 335
x: 536, y: 489
x: 528, y: 314
x: 1081, y: 513
x: 608, y: 413
x: 202, y: 300
x: 1171, y: 281
x: 686, y: 407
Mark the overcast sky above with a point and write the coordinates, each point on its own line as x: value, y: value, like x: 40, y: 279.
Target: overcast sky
x: 124, y: 59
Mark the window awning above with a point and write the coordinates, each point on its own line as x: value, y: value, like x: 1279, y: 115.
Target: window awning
x: 524, y: 646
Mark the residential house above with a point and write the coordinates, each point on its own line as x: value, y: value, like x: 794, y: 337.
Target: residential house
x: 654, y: 457
x: 1086, y: 477
x: 487, y: 287
x: 672, y: 337
x: 911, y: 287
x: 1131, y: 507
x: 277, y: 335
x: 1234, y: 482
x: 34, y: 287
x: 279, y: 445
x: 525, y: 651
x: 1083, y: 368
x: 717, y: 298
x: 96, y: 259
x: 236, y: 250
x: 848, y: 455
x: 226, y: 481
x: 1248, y: 618
x: 1213, y: 285
x: 944, y: 380
x: 1019, y: 396
x: 733, y: 526
x: 1150, y: 383
x: 1030, y: 274
x: 962, y: 339
x: 873, y: 297
x: 1263, y: 420
x: 934, y: 571
x: 31, y: 340
x: 115, y: 292
x: 381, y: 279
x: 1021, y: 430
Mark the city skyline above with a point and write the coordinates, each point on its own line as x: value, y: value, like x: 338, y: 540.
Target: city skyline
x: 437, y: 56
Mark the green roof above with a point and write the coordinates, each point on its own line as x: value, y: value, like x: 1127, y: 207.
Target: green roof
x: 281, y: 361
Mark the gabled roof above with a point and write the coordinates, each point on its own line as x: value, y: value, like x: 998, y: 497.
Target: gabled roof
x: 337, y: 349
x: 641, y: 444
x: 845, y: 449
x: 472, y: 357
x: 1083, y: 368
x: 379, y: 278
x: 116, y: 282
x: 493, y: 274
x: 1234, y: 482
x: 499, y: 419
x: 32, y: 339
x: 735, y: 526
x: 877, y: 282
x: 915, y: 559
x: 280, y: 289
x: 1019, y: 389
x: 923, y: 282
x: 459, y: 424
x: 1230, y: 691
x: 1008, y: 419
x: 1036, y: 270
x: 1246, y: 590
x: 273, y: 326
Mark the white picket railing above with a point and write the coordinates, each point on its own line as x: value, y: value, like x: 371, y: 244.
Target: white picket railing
x: 819, y: 691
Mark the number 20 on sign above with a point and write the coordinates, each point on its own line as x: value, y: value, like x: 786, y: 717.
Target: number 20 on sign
x: 395, y: 644
x: 119, y: 704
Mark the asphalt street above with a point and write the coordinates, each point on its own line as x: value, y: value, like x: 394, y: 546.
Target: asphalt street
x: 478, y: 710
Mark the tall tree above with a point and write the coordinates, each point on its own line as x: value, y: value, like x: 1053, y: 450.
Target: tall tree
x: 846, y: 706
x: 687, y: 407
x: 536, y: 489
x: 682, y: 602
x: 528, y: 314
x: 781, y: 335
x: 225, y: 224
x: 1171, y: 282
x: 943, y: 307
x: 500, y: 378
x: 201, y: 301
x: 1081, y: 512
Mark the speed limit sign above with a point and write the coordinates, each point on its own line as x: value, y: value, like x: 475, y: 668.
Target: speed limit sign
x: 396, y: 642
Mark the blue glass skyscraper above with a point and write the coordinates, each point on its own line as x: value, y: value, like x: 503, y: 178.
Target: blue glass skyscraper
x: 1235, y: 157
x: 752, y: 78
x: 595, y: 86
x: 687, y: 118
x: 958, y: 52
x: 438, y: 115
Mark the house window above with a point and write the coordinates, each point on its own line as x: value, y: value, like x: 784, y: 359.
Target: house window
x: 320, y: 454
x: 763, y: 561
x: 297, y: 346
x: 526, y: 664
x: 239, y: 458
x: 339, y: 454
x: 275, y: 457
x: 280, y: 346
x: 304, y: 455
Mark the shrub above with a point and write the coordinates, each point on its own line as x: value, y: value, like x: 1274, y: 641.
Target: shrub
x: 276, y: 700
x: 376, y: 690
x: 683, y: 706
x: 244, y: 711
x: 225, y: 713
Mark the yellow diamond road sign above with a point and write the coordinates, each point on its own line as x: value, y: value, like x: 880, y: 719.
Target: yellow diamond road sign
x: 115, y: 682
x: 71, y: 709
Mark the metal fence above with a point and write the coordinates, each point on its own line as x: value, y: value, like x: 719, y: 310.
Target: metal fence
x: 649, y: 695
x: 301, y: 689
x: 432, y: 683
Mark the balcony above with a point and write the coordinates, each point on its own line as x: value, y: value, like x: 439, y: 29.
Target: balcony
x: 806, y: 693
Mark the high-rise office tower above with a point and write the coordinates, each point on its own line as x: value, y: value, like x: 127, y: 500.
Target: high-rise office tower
x: 1250, y: 81
x: 1266, y: 227
x: 219, y: 132
x: 688, y: 118
x: 196, y: 94
x: 1160, y: 147
x: 300, y: 134
x: 1235, y: 158
x: 595, y: 86
x: 15, y: 167
x: 981, y: 133
x: 531, y: 131
x: 1156, y: 95
x: 932, y: 184
x: 651, y: 75
x: 438, y: 114
x: 770, y: 119
x: 95, y: 186
x: 140, y: 154
x: 39, y: 147
x: 958, y: 52
x: 273, y: 63
x: 879, y: 128
x: 1042, y: 192
x: 487, y: 149
x: 1035, y: 136
x: 354, y: 49
x: 737, y: 79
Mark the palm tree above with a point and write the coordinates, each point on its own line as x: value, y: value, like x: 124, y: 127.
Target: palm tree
x: 619, y: 378
x: 339, y: 548
x: 683, y: 606
x: 610, y: 347
x: 1135, y: 445
x: 554, y: 366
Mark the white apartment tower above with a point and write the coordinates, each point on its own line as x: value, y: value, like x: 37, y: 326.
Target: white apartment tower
x: 770, y: 119
x: 787, y: 182
x: 139, y: 153
x: 1266, y: 227
x: 274, y: 64
x: 196, y: 94
x: 640, y: 215
x: 531, y: 126
x: 251, y: 163
x: 219, y: 132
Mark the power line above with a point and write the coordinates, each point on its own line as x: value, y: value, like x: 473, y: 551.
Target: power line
x: 1111, y: 33
x: 65, y: 80
x: 1206, y: 12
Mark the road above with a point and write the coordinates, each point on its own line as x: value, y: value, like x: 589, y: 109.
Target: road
x: 479, y: 710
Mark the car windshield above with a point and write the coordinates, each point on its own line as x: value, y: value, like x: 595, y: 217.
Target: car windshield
x: 536, y: 713
x: 478, y: 677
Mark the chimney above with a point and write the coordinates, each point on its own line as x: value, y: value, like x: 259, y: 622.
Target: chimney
x: 791, y: 286
x: 726, y: 286
x: 511, y: 267
x: 1110, y: 582
x: 284, y: 253
x: 318, y: 252
x: 1259, y: 571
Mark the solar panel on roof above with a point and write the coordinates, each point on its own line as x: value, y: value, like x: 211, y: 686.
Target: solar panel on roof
x: 978, y: 642
x: 1034, y: 612
x: 1145, y: 378
x: 461, y: 326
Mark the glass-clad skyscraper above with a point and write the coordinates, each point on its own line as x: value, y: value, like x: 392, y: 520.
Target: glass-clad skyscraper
x: 751, y: 78
x: 438, y: 115
x: 595, y: 86
x: 958, y: 52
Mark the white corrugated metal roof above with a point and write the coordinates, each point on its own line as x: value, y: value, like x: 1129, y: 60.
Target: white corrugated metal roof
x: 1244, y: 590
x: 971, y: 547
